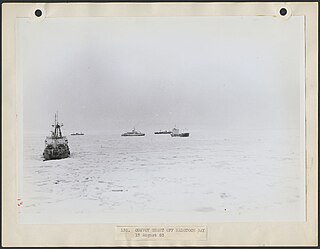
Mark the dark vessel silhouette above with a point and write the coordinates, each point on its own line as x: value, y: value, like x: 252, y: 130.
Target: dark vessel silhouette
x: 77, y: 134
x: 56, y: 144
x: 133, y: 133
x: 177, y: 133
x: 162, y: 132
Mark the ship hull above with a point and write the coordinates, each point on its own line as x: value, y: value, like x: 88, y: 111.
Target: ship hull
x: 133, y: 135
x: 180, y: 135
x: 56, y: 153
x: 162, y: 132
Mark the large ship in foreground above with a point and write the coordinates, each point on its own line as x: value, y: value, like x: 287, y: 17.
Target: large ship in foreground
x: 133, y: 133
x: 56, y: 144
x: 177, y: 133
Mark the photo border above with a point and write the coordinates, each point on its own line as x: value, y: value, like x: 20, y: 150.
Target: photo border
x: 219, y: 233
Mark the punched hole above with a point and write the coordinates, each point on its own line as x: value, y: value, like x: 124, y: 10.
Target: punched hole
x: 283, y: 11
x: 38, y: 13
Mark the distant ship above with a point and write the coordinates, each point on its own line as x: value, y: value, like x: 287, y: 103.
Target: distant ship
x: 56, y: 144
x: 133, y: 133
x: 163, y: 132
x: 177, y: 133
x: 76, y: 134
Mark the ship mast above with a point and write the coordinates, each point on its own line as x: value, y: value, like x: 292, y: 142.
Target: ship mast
x: 57, y: 130
x: 55, y: 121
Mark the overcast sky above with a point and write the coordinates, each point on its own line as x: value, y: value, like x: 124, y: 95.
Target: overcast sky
x: 153, y: 73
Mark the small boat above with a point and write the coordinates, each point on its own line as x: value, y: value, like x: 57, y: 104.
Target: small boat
x: 163, y: 132
x: 56, y: 144
x: 133, y: 133
x: 177, y: 133
x: 77, y: 134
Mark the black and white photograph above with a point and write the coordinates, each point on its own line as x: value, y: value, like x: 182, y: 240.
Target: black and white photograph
x: 162, y: 119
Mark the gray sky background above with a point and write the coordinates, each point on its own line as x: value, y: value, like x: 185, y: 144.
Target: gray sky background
x: 153, y: 73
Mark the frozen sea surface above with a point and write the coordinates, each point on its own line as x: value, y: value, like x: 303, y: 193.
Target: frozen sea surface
x: 220, y: 176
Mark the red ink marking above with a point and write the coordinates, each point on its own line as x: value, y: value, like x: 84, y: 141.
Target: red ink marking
x: 20, y: 202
